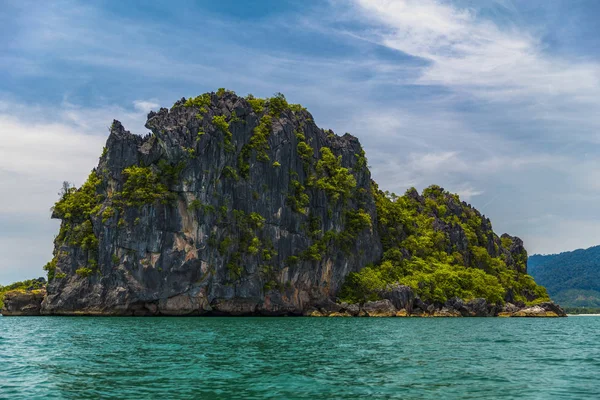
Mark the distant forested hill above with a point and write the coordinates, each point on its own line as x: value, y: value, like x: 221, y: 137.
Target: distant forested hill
x: 571, y: 278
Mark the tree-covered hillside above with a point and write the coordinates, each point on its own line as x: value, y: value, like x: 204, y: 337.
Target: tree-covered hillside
x: 443, y: 248
x: 572, y: 278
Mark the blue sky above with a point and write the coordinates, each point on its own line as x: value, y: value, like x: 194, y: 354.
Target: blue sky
x: 495, y: 100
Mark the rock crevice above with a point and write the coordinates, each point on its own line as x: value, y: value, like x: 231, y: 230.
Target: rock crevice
x: 246, y: 207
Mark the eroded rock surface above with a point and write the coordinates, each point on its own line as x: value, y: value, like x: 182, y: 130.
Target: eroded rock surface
x: 225, y: 208
x: 380, y: 308
x: 23, y: 302
x: 405, y: 303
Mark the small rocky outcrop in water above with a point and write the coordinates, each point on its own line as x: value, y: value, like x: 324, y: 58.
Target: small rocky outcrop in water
x: 23, y: 302
x: 243, y: 206
x: 547, y: 309
x: 22, y: 298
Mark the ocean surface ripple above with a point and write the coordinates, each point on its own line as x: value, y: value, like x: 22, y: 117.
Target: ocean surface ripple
x: 299, y: 358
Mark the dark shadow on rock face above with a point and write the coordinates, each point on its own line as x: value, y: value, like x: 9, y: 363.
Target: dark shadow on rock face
x: 224, y: 208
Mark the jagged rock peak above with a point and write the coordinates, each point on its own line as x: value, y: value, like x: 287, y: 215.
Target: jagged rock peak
x: 230, y: 205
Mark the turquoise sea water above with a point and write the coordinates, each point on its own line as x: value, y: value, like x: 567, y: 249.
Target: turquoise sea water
x: 304, y: 358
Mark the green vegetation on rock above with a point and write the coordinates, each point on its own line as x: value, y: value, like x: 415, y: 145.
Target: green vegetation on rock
x: 361, y: 161
x: 231, y: 173
x: 276, y: 104
x: 84, y: 272
x: 257, y: 104
x: 23, y: 286
x: 76, y: 205
x: 259, y: 138
x: 419, y: 252
x: 195, y: 205
x: 332, y: 177
x: 222, y: 125
x: 298, y: 199
x: 142, y: 186
x: 355, y: 221
x: 222, y: 91
x: 259, y: 142
x: 50, y: 268
x: 305, y: 151
x: 76, y: 208
x: 202, y: 102
x: 242, y: 241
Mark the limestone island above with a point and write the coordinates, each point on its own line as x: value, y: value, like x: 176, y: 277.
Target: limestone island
x: 243, y: 206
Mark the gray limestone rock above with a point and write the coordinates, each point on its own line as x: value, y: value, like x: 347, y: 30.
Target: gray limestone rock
x: 249, y: 228
x: 380, y: 308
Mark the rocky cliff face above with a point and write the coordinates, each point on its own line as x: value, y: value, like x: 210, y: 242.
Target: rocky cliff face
x: 230, y: 205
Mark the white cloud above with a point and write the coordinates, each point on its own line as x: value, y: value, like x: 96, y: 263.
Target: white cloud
x: 573, y: 234
x: 40, y: 148
x: 24, y: 257
x: 501, y: 65
x: 145, y: 106
x: 50, y: 143
x: 45, y: 150
x: 466, y: 50
x: 448, y: 161
x: 467, y: 192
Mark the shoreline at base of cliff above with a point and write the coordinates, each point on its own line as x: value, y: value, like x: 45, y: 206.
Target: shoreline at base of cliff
x: 28, y: 303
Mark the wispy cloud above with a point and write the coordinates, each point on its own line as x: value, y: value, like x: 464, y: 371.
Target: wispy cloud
x: 145, y: 106
x: 470, y: 51
x: 505, y: 65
